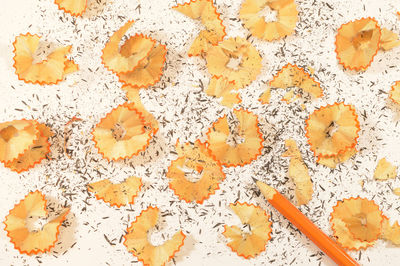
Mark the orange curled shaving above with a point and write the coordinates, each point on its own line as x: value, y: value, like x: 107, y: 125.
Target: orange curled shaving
x: 70, y: 67
x: 385, y: 170
x: 361, y: 217
x: 265, y: 97
x: 345, y: 238
x: 249, y: 244
x: 357, y: 43
x: 333, y: 161
x: 287, y: 16
x: 132, y: 52
x: 35, y: 241
x: 390, y: 232
x: 194, y: 158
x: 136, y: 240
x: 16, y: 137
x: 49, y: 71
x: 134, y: 98
x: 332, y: 129
x: 219, y: 59
x: 121, y: 133
x: 298, y: 172
x: 36, y: 152
x: 394, y: 94
x: 74, y: 7
x: 214, y: 32
x: 389, y: 40
x: 220, y: 87
x: 293, y: 76
x: 116, y: 194
x: 396, y: 191
x: 149, y: 71
x: 244, y: 137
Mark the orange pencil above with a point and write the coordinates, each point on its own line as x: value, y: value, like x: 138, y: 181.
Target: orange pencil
x: 287, y: 209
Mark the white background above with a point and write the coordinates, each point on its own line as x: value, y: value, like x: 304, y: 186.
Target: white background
x: 185, y: 112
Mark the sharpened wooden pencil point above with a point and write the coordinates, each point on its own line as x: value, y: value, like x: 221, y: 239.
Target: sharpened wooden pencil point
x: 266, y: 190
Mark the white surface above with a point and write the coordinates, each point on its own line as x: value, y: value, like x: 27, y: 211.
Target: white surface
x: 93, y: 91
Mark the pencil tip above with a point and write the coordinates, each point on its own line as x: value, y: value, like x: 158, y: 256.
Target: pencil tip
x: 266, y: 190
x: 255, y: 180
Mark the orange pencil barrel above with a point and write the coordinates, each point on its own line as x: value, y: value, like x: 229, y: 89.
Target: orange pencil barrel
x: 287, y: 209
